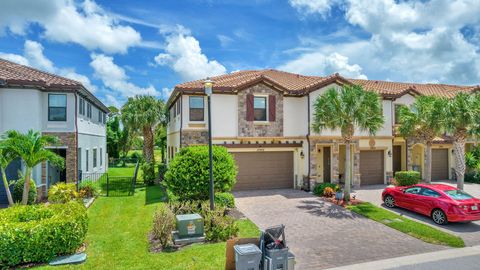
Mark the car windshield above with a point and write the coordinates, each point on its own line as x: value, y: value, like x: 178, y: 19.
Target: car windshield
x: 458, y: 194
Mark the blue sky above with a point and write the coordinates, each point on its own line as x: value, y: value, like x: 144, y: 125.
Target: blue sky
x: 122, y: 48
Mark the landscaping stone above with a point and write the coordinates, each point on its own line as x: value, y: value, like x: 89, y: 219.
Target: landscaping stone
x: 69, y: 259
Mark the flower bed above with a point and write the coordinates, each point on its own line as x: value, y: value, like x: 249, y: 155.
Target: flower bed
x: 38, y: 233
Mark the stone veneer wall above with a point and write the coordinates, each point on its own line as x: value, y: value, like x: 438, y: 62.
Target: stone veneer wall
x: 252, y: 129
x: 193, y: 137
x: 68, y: 139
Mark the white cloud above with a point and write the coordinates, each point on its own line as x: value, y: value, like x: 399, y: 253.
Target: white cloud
x: 184, y: 55
x: 166, y: 92
x: 317, y: 63
x: 64, y: 21
x: 224, y: 40
x: 33, y: 56
x: 115, y: 78
x: 321, y: 7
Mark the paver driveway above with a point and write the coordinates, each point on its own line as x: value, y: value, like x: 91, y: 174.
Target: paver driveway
x: 469, y: 232
x: 324, y: 235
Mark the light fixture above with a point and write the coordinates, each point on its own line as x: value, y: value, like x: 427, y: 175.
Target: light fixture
x: 208, y: 86
x: 302, y: 155
x: 208, y: 91
x: 389, y: 153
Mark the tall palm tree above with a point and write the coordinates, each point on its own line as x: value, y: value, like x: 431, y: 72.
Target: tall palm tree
x: 141, y: 114
x: 424, y: 120
x: 6, y: 157
x: 348, y: 109
x: 30, y: 147
x: 462, y: 119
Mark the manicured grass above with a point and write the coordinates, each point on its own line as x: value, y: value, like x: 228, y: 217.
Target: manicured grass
x: 418, y: 230
x: 156, y: 152
x: 117, y: 237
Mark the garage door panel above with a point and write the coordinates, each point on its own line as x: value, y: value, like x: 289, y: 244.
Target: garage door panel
x: 439, y: 164
x: 264, y: 170
x: 372, y: 167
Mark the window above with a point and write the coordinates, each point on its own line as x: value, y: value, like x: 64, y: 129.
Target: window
x: 178, y: 107
x: 458, y: 195
x: 81, y: 106
x: 94, y: 157
x: 57, y: 107
x: 86, y: 160
x: 104, y: 118
x: 430, y: 193
x: 100, y: 117
x: 260, y: 108
x: 101, y: 157
x: 196, y: 109
x: 89, y: 110
x: 397, y: 109
x: 413, y: 190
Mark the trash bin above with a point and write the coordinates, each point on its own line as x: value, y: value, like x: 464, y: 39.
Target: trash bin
x: 247, y: 257
x: 276, y: 259
x: 274, y: 247
x: 291, y: 261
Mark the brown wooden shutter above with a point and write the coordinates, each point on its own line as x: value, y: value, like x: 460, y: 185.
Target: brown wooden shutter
x: 271, y: 108
x: 250, y: 107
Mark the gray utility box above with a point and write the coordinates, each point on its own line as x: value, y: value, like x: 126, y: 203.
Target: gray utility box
x: 276, y: 259
x: 189, y: 229
x: 247, y: 257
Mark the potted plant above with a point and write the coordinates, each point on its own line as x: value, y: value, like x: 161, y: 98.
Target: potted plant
x: 338, y: 193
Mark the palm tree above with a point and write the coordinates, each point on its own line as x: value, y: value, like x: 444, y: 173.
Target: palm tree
x: 424, y: 120
x: 141, y: 114
x: 30, y: 147
x: 348, y: 109
x: 6, y: 157
x: 462, y: 119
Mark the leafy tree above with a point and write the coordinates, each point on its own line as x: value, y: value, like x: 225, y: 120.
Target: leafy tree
x: 462, y: 119
x: 6, y: 157
x: 141, y: 114
x: 424, y: 120
x: 347, y: 109
x: 161, y: 140
x: 30, y: 147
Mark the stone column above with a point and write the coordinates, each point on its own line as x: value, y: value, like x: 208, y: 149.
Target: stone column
x: 356, y: 164
x: 409, y: 144
x: 335, y: 155
x: 313, y: 164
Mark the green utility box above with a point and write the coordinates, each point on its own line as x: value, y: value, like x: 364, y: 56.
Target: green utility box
x: 189, y: 229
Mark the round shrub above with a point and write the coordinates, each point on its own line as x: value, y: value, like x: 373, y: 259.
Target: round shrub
x: 62, y: 193
x: 225, y: 199
x: 407, y: 178
x: 38, y: 233
x: 188, y: 173
x: 18, y: 191
x: 320, y: 188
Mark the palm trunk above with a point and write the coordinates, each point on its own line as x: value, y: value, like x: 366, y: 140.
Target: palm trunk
x: 459, y: 146
x: 26, y: 186
x: 7, y: 189
x: 148, y: 144
x: 428, y: 162
x: 348, y: 180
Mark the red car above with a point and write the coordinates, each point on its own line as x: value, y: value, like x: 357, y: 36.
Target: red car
x: 443, y: 203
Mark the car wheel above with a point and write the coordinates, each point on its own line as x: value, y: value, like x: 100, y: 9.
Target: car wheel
x: 389, y: 201
x: 439, y: 217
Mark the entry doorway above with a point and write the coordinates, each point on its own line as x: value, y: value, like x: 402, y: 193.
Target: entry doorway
x: 326, y: 165
x: 397, y: 158
x: 56, y: 174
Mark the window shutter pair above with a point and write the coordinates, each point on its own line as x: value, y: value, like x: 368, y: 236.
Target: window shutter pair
x: 271, y: 108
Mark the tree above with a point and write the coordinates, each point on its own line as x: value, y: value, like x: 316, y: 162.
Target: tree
x: 161, y: 140
x: 347, y: 109
x: 6, y: 157
x: 30, y: 147
x: 114, y: 133
x: 424, y: 120
x: 141, y: 114
x: 462, y: 119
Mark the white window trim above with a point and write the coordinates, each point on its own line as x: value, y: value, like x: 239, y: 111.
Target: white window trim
x: 267, y: 121
x: 205, y: 114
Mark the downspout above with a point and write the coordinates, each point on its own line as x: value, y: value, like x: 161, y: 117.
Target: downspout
x: 76, y: 141
x: 181, y: 120
x: 308, y: 142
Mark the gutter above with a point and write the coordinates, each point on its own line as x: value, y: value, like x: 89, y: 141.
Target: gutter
x: 76, y: 140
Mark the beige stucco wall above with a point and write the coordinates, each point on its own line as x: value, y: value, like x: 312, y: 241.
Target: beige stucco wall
x: 295, y: 111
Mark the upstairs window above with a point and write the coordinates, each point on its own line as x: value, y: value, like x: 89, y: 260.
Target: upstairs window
x: 81, y: 106
x: 94, y: 157
x: 57, y: 107
x: 260, y: 108
x: 197, y: 107
x: 397, y: 109
x: 100, y: 117
x: 89, y: 110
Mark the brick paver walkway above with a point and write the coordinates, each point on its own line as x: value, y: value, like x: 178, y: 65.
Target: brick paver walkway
x: 324, y: 235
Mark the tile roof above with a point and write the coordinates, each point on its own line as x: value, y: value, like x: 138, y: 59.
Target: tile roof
x: 16, y: 75
x: 298, y: 85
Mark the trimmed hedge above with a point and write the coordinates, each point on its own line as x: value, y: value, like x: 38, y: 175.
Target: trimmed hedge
x: 224, y: 199
x: 187, y: 176
x: 38, y: 233
x: 320, y: 188
x: 407, y: 178
x: 472, y: 177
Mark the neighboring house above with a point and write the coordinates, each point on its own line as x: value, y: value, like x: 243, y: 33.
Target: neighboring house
x: 264, y: 119
x: 53, y: 105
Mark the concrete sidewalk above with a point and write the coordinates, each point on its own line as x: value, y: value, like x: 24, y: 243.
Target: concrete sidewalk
x: 459, y: 259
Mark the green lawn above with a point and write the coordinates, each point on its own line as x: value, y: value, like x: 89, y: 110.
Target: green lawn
x: 156, y: 152
x: 117, y: 237
x: 408, y: 226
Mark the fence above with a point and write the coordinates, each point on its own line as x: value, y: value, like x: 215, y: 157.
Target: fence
x: 111, y: 184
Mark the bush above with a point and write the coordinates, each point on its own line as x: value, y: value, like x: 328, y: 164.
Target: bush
x: 38, y: 233
x: 225, y: 199
x: 188, y: 175
x: 472, y: 177
x: 62, y: 193
x: 88, y: 189
x: 148, y: 169
x: 407, y: 178
x: 218, y: 226
x: 162, y: 169
x: 136, y: 155
x: 163, y: 225
x: 328, y: 192
x: 320, y: 188
x: 18, y: 191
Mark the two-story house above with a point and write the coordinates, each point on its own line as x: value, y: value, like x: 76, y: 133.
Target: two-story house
x: 53, y: 105
x: 264, y: 118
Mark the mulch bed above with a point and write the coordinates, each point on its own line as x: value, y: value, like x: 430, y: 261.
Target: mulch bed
x: 341, y: 202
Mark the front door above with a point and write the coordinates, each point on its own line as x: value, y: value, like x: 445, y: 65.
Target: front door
x: 397, y: 158
x: 326, y: 165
